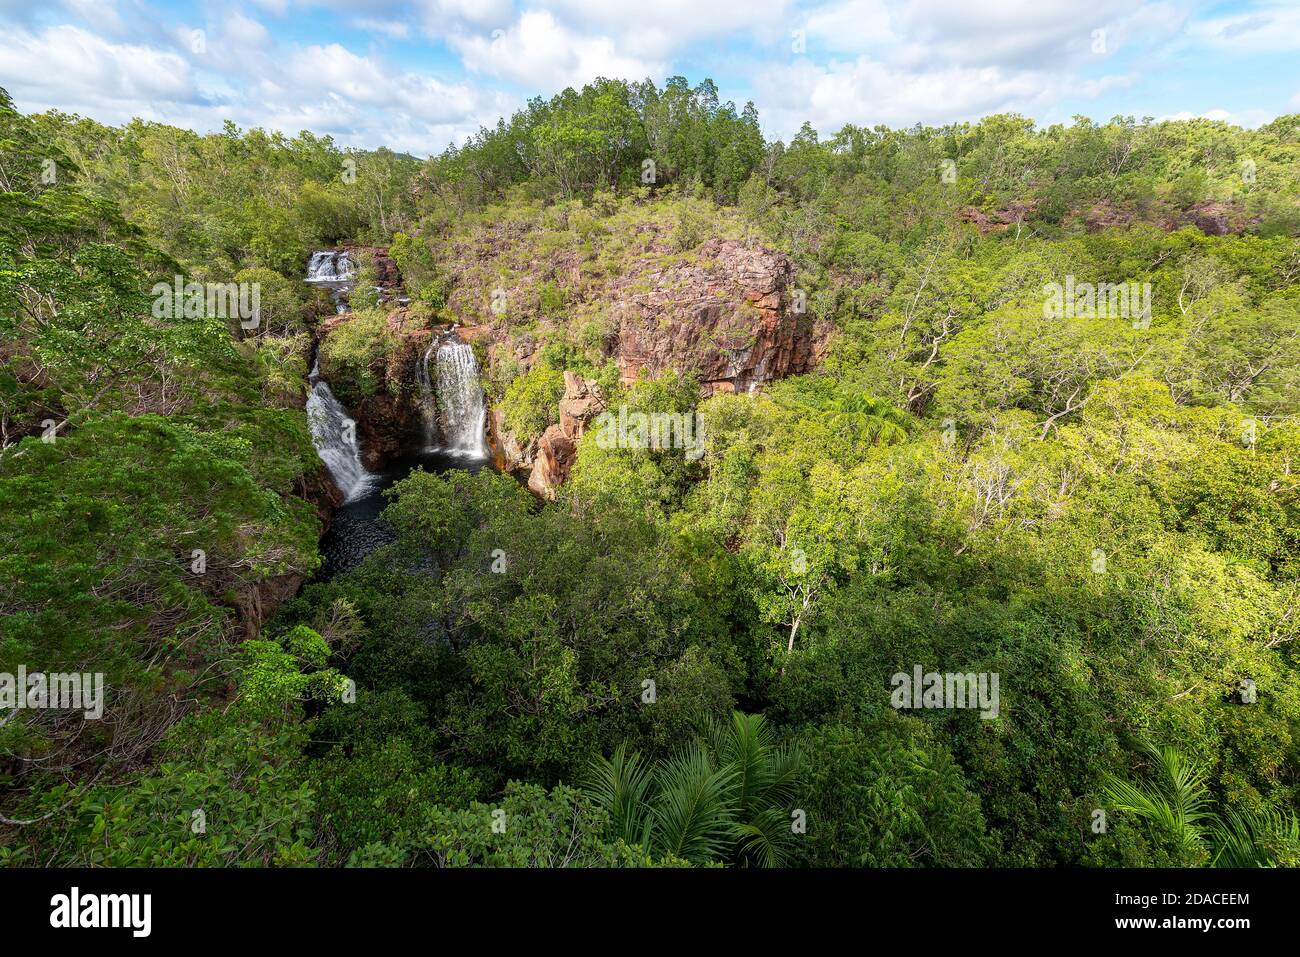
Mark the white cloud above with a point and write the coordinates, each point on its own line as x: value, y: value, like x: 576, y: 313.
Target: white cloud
x: 658, y: 29
x: 395, y: 29
x: 65, y: 65
x: 865, y: 61
x: 245, y: 31
x: 448, y: 18
x: 866, y: 92
x: 1272, y: 28
x: 855, y: 25
x: 543, y: 55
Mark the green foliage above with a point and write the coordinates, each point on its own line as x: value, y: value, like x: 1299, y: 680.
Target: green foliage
x: 1100, y: 509
x: 532, y: 401
x: 228, y: 790
x: 353, y: 355
x: 888, y: 795
x: 731, y: 800
x: 528, y: 827
x: 1177, y: 806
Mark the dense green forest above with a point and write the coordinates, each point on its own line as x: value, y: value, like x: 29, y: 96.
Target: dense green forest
x: 680, y: 662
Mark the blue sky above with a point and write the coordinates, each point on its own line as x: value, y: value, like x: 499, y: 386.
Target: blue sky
x: 416, y: 75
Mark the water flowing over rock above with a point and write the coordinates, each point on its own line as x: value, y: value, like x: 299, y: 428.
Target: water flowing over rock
x: 334, y: 434
x: 332, y: 269
x: 461, y: 401
x: 330, y: 265
x: 428, y: 404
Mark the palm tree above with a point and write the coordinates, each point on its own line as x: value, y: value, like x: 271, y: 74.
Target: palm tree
x: 728, y: 800
x: 1178, y: 806
x: 861, y: 417
x: 765, y: 785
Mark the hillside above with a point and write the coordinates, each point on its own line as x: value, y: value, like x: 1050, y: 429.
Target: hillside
x: 568, y: 477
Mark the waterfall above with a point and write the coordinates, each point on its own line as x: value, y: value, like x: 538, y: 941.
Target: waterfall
x: 332, y: 269
x: 428, y: 407
x: 334, y: 434
x: 330, y: 265
x: 460, y: 397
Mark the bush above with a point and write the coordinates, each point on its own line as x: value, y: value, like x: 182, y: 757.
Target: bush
x: 532, y: 401
x: 353, y: 354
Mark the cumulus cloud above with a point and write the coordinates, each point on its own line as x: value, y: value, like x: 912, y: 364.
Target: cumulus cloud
x: 540, y: 53
x: 866, y: 92
x: 323, y: 65
x: 68, y: 64
x: 247, y: 78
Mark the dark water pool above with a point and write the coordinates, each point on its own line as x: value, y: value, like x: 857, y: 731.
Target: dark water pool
x: 355, y: 528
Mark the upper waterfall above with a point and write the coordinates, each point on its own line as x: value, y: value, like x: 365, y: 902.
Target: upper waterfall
x: 330, y: 265
x: 333, y: 269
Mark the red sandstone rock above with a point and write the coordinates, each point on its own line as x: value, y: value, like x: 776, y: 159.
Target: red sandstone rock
x: 555, y: 455
x: 581, y: 403
x: 726, y: 314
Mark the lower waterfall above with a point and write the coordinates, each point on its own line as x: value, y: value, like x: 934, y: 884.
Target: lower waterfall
x: 461, y: 401
x: 334, y: 434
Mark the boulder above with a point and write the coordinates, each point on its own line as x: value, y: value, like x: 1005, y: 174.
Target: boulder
x: 555, y: 455
x: 582, y: 402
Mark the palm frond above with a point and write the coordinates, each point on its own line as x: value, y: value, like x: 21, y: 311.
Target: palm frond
x: 620, y: 786
x: 1256, y: 838
x: 766, y: 838
x: 693, y: 811
x: 1177, y: 803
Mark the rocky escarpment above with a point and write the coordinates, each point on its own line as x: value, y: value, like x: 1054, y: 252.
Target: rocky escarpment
x: 724, y: 311
x: 389, y: 419
x: 729, y: 314
x: 1212, y: 217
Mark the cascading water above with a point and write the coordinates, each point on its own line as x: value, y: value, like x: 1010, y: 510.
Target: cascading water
x: 428, y: 405
x: 452, y: 405
x: 330, y: 265
x: 332, y: 269
x: 460, y: 398
x: 334, y: 434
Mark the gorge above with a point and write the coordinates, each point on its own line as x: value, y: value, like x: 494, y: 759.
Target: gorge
x: 450, y: 408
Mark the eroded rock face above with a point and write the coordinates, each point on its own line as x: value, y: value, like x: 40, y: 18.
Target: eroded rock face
x: 389, y: 277
x: 557, y: 449
x: 555, y: 455
x: 582, y: 402
x: 1211, y: 217
x: 729, y: 314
